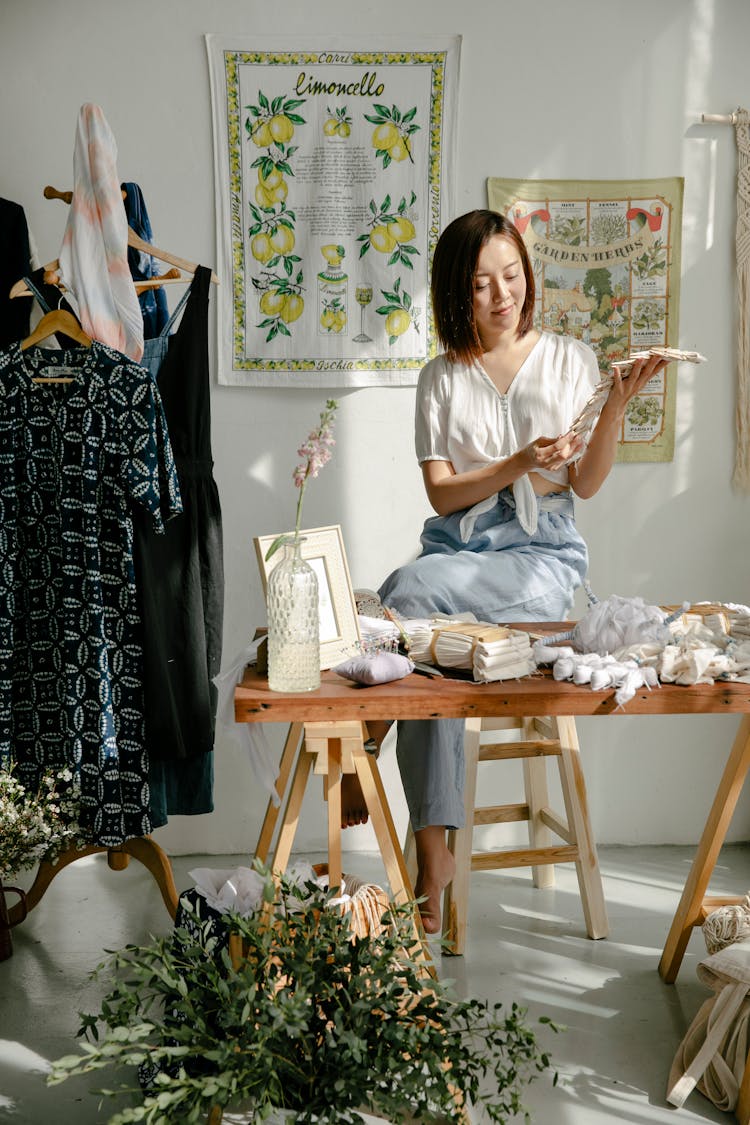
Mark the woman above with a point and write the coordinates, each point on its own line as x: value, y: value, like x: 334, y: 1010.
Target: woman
x: 500, y: 468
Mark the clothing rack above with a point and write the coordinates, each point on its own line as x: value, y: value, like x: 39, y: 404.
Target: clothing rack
x: 143, y: 848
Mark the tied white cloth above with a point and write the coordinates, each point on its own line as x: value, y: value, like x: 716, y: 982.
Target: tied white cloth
x: 94, y: 255
x: 626, y: 644
x: 601, y: 672
x: 527, y: 507
x: 249, y: 736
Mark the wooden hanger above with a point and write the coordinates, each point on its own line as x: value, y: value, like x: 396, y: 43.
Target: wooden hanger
x: 134, y: 240
x: 57, y: 320
x: 51, y: 277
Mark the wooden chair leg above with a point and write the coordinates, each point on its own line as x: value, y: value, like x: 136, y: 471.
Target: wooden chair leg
x: 579, y: 822
x: 537, y: 798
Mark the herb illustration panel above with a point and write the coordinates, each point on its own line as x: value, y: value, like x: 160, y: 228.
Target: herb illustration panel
x: 606, y: 260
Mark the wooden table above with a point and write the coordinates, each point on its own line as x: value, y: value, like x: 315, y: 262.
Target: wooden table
x: 422, y: 697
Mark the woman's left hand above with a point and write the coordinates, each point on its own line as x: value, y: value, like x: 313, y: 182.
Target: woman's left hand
x: 628, y: 386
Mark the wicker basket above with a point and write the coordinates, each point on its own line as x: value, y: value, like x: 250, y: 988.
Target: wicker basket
x: 366, y: 904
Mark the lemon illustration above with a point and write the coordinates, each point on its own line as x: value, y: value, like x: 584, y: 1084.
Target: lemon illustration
x: 326, y: 319
x: 272, y: 180
x: 381, y: 239
x: 333, y: 253
x: 402, y: 229
x: 281, y: 128
x: 268, y: 196
x: 385, y: 136
x: 272, y: 303
x: 399, y: 150
x: 261, y: 247
x: 261, y: 134
x: 282, y: 240
x: 344, y: 128
x: 331, y: 127
x: 397, y: 322
x: 339, y: 320
x: 263, y: 197
x: 293, y: 306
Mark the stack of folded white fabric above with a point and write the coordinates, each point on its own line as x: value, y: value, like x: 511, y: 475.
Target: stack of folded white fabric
x: 739, y: 622
x: 491, y: 652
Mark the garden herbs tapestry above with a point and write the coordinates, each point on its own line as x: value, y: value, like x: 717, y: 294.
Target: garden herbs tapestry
x: 333, y: 181
x: 606, y: 260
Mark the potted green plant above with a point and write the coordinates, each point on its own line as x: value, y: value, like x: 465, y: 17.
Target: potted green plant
x: 310, y: 1024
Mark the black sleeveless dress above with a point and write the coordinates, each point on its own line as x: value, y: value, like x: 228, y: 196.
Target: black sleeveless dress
x: 180, y: 576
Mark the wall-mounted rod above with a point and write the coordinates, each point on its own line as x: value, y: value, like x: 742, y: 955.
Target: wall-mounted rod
x: 719, y: 118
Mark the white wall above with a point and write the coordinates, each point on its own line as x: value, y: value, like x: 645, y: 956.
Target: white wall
x: 584, y: 89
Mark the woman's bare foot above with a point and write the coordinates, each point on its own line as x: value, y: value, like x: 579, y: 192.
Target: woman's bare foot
x: 353, y: 805
x: 435, y: 870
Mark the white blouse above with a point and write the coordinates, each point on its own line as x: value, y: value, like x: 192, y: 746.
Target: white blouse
x: 461, y: 417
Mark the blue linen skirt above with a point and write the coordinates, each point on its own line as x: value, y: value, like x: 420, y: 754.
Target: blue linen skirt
x: 500, y: 573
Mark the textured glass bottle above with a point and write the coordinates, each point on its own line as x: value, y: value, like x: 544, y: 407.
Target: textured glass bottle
x: 293, y: 622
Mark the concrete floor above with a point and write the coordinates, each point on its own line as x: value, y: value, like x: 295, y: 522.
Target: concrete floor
x: 622, y: 1023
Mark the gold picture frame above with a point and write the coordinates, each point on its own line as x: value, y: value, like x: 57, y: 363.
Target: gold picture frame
x: 323, y: 549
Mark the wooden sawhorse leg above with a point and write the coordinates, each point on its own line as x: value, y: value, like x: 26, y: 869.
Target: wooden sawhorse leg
x: 694, y: 905
x: 331, y: 749
x: 692, y: 908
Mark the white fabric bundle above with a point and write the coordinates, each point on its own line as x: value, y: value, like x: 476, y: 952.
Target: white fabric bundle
x: 420, y: 632
x: 615, y: 623
x: 601, y: 672
x: 625, y: 644
x: 491, y: 652
x: 697, y: 661
x: 739, y: 621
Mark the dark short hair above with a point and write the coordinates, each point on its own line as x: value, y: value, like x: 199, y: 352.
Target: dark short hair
x: 454, y: 265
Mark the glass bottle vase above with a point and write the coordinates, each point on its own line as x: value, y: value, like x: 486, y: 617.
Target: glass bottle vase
x: 293, y: 621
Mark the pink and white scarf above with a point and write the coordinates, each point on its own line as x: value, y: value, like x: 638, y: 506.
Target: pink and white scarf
x: 94, y: 254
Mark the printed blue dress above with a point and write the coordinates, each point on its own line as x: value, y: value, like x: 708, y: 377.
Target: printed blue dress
x: 74, y: 458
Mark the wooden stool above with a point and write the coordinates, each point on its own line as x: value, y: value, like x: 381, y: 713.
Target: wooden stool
x: 540, y: 738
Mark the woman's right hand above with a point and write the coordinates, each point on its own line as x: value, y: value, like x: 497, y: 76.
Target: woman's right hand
x: 551, y: 454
